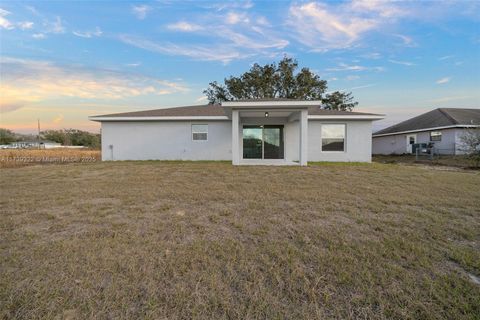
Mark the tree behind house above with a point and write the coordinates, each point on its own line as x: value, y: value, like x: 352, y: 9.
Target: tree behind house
x: 281, y: 80
x: 470, y: 142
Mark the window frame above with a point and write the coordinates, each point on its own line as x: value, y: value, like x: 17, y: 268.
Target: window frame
x: 437, y: 135
x: 344, y: 138
x: 193, y: 132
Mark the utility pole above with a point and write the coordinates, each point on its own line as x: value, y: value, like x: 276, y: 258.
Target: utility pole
x: 38, y: 136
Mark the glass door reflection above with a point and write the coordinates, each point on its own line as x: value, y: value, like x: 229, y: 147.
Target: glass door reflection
x: 252, y: 142
x: 273, y: 142
x: 263, y: 142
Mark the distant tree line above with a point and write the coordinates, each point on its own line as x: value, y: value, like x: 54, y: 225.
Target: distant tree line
x: 67, y: 137
x: 72, y: 137
x: 7, y: 136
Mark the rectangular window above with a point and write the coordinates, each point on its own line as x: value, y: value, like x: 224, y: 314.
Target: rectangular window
x: 436, y: 136
x: 333, y: 137
x: 199, y: 132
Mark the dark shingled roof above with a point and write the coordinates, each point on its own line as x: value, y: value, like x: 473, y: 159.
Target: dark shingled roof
x: 266, y: 99
x: 202, y: 110
x: 214, y: 110
x: 440, y: 117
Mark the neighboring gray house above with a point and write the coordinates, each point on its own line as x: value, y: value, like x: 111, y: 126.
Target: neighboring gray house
x: 279, y: 131
x: 441, y: 127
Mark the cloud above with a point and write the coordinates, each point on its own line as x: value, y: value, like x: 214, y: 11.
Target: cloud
x: 141, y: 11
x: 352, y: 77
x: 372, y: 55
x: 38, y: 36
x: 324, y: 26
x: 263, y: 21
x: 327, y: 25
x: 201, y: 99
x: 9, y: 105
x: 184, y: 26
x: 89, y: 34
x: 245, y: 5
x: 407, y: 41
x: 445, y: 58
x: 364, y: 86
x: 239, y: 38
x: 58, y: 119
x: 134, y: 64
x: 243, y: 41
x: 403, y: 63
x: 235, y: 18
x: 319, y: 27
x: 342, y: 67
x: 206, y: 53
x: 25, y: 25
x: 443, y: 80
x: 381, y: 8
x: 33, y: 10
x: 49, y: 26
x: 450, y: 98
x: 4, y: 22
x: 56, y: 26
x: 26, y: 82
x: 346, y: 67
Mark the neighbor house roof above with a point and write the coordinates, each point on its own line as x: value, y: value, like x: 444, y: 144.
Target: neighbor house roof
x: 212, y: 110
x: 435, y: 119
x: 323, y: 112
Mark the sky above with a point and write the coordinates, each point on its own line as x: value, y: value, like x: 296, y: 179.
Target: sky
x: 62, y: 61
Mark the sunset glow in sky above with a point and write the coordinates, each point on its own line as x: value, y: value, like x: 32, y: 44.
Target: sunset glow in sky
x: 61, y: 61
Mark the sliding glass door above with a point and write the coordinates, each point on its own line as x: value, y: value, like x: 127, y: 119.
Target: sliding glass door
x: 252, y: 142
x: 263, y: 142
x: 273, y: 142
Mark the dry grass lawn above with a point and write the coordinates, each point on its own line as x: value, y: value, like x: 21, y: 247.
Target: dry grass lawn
x: 14, y: 158
x: 160, y: 240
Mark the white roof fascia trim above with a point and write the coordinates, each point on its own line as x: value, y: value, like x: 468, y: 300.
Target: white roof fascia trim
x: 428, y: 129
x: 352, y: 117
x: 157, y: 118
x: 119, y: 118
x: 272, y: 103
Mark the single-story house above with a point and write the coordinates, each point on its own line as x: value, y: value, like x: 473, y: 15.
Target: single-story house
x: 442, y: 128
x: 278, y: 131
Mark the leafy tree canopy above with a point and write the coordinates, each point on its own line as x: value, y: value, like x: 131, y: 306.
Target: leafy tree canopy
x: 6, y: 136
x: 470, y: 144
x: 279, y: 81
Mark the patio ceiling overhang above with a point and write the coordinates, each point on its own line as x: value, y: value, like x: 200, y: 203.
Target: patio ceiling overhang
x: 274, y: 108
x: 271, y: 113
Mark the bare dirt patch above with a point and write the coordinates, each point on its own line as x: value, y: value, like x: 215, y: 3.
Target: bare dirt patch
x: 442, y: 162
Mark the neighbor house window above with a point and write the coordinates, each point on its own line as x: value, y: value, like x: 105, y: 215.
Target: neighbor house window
x: 436, y: 136
x: 199, y: 132
x: 333, y: 137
